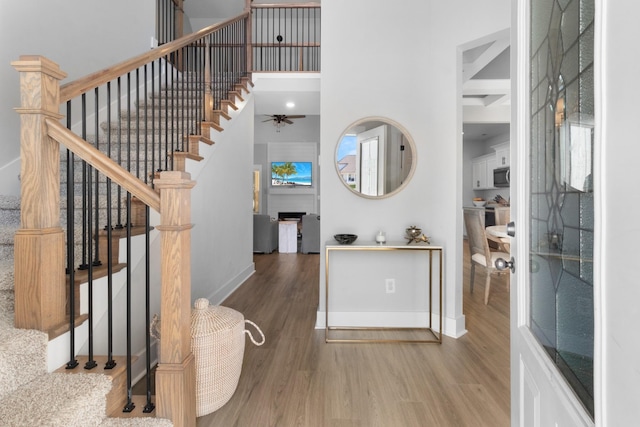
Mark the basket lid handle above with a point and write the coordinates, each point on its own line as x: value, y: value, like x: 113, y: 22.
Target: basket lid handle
x: 248, y: 332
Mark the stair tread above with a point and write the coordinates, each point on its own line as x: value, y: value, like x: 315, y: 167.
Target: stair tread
x: 139, y: 402
x: 136, y: 422
x: 100, y: 368
x: 57, y: 399
x: 22, y: 357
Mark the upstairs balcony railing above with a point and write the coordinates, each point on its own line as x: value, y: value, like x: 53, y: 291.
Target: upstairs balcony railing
x: 285, y: 37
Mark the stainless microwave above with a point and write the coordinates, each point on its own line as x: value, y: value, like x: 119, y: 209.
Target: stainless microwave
x: 501, y: 177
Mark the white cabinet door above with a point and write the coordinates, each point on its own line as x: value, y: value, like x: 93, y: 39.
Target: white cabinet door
x: 479, y: 174
x: 482, y: 172
x: 502, y: 157
x: 490, y: 166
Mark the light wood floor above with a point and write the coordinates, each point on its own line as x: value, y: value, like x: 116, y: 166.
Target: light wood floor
x: 296, y: 379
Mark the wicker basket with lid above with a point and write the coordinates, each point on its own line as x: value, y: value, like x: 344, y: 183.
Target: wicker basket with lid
x: 217, y: 342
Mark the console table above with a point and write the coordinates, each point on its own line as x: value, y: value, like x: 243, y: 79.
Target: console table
x: 430, y: 250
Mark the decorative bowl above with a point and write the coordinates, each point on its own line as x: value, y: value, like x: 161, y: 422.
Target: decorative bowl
x: 479, y: 203
x: 345, y: 239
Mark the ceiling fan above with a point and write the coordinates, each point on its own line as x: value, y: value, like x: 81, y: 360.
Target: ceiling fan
x: 281, y: 119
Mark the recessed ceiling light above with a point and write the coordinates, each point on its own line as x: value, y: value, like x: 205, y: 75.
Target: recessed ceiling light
x: 290, y: 104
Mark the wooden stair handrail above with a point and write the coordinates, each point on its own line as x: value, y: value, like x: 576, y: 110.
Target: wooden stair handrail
x: 93, y: 80
x: 104, y: 164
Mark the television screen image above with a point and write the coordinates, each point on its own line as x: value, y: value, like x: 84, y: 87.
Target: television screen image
x: 291, y: 174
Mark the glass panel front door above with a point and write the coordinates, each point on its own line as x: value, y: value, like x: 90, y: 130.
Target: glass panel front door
x: 561, y: 190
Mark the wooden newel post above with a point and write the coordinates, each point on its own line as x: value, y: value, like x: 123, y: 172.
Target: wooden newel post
x: 175, y: 376
x: 40, y: 294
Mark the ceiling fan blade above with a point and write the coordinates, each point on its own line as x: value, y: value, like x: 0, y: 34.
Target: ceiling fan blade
x: 295, y: 117
x: 287, y: 121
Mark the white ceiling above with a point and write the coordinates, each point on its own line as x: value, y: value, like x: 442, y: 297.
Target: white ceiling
x: 272, y: 92
x: 486, y: 91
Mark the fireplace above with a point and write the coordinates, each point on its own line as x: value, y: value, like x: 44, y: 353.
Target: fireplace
x: 290, y: 216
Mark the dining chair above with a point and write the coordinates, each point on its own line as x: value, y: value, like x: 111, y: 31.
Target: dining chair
x: 479, y: 251
x: 502, y: 215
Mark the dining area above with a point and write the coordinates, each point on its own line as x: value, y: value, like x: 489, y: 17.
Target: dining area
x: 487, y: 244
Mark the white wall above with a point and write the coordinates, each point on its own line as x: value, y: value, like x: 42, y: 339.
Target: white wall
x: 203, y: 13
x: 222, y: 209
x: 399, y: 60
x: 617, y: 175
x: 81, y: 36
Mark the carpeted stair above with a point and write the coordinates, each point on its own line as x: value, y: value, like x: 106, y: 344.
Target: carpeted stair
x: 29, y: 395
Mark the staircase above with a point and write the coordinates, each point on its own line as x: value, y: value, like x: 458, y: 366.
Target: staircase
x: 29, y: 395
x: 34, y: 291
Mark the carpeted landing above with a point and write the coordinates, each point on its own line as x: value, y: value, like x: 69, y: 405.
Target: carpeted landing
x: 29, y: 395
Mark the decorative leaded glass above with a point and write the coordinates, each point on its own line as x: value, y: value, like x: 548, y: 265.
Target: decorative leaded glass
x: 561, y: 192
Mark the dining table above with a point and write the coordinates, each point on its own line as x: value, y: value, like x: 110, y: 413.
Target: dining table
x: 498, y: 231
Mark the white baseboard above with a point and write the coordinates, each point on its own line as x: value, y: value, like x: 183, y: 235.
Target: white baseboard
x: 228, y: 288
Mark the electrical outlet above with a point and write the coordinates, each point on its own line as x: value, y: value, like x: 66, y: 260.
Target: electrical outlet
x: 390, y: 286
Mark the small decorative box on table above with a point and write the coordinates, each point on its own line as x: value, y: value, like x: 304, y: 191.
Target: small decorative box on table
x: 428, y: 333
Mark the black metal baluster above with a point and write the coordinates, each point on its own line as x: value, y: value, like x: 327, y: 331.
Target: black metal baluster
x: 159, y: 16
x: 291, y: 47
x: 166, y: 118
x: 238, y: 49
x: 219, y: 80
x: 149, y: 407
x: 308, y: 53
x: 111, y: 363
x: 175, y: 113
x: 84, y: 265
x: 258, y: 39
x: 146, y: 127
x: 153, y: 120
x: 138, y: 123
x: 90, y: 361
x: 129, y: 405
x: 73, y: 362
x: 317, y: 63
x: 119, y: 225
x: 96, y: 223
x: 171, y: 116
x: 128, y: 150
x: 180, y: 103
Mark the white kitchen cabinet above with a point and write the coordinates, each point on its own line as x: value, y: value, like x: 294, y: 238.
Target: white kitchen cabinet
x: 502, y: 155
x: 482, y: 171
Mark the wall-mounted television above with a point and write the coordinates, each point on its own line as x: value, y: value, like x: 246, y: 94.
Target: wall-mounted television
x: 291, y: 174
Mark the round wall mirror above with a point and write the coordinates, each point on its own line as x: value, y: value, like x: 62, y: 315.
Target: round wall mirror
x: 375, y: 157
